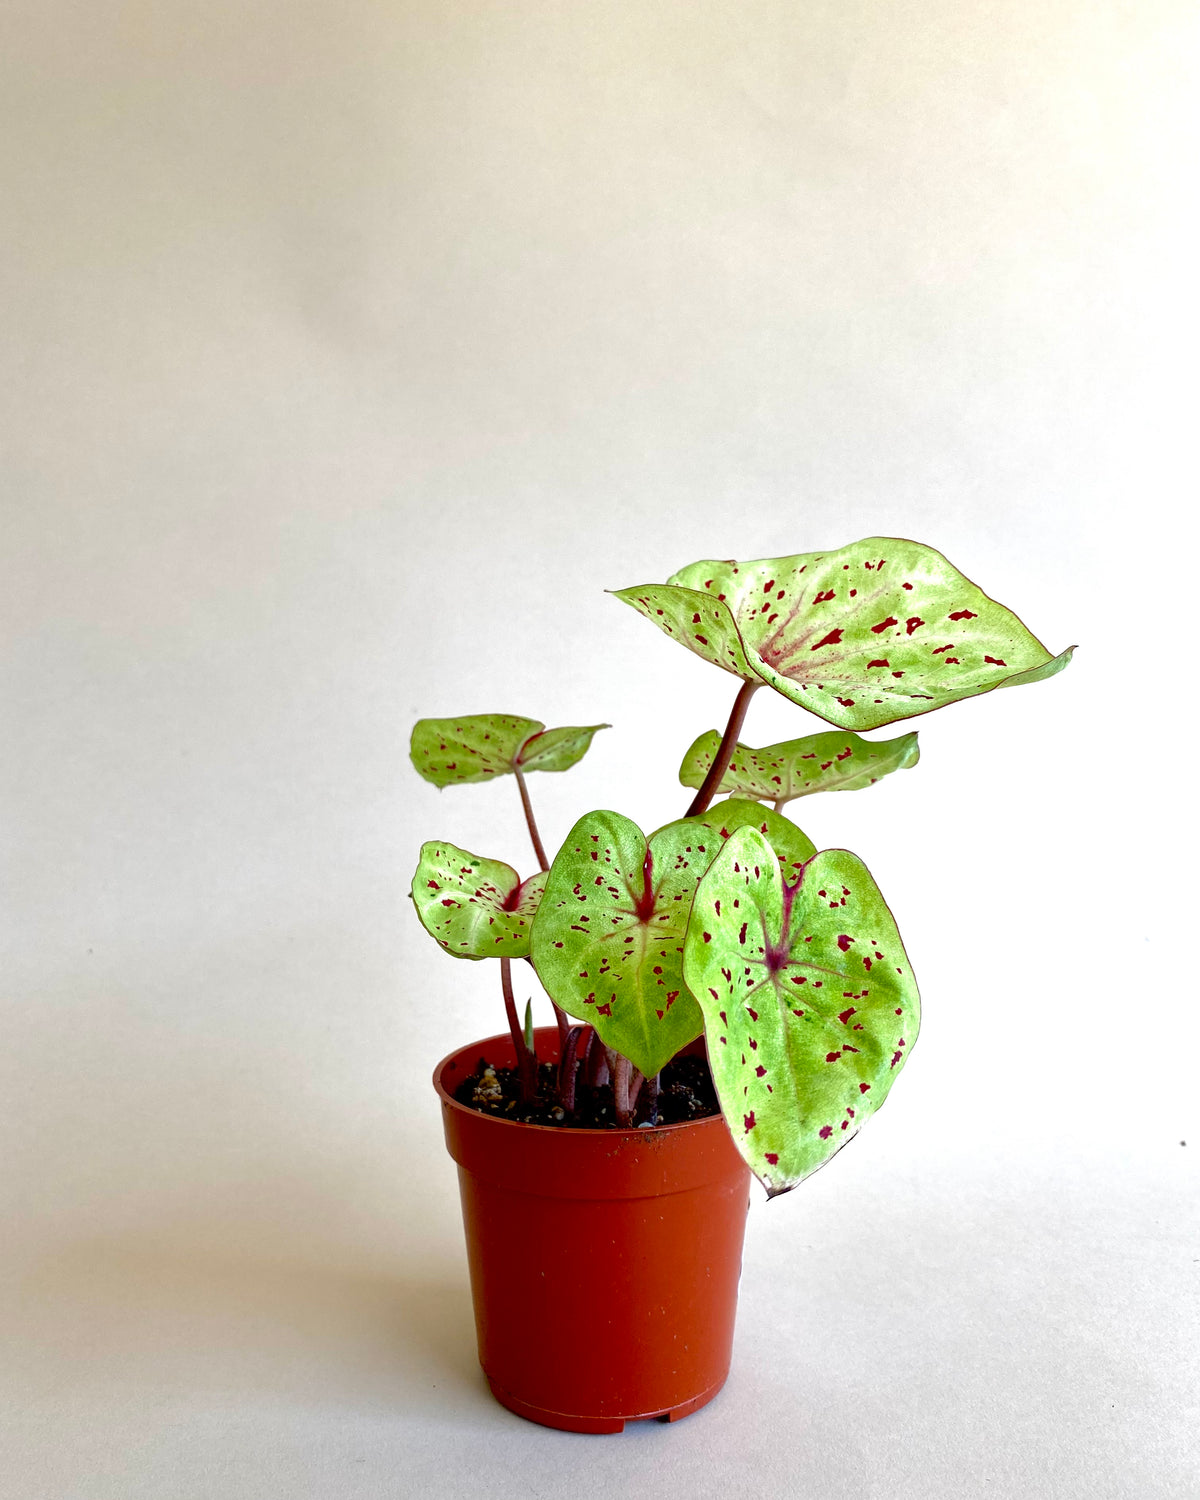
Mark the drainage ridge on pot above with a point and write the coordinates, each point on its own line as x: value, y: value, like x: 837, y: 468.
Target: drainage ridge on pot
x: 604, y: 1263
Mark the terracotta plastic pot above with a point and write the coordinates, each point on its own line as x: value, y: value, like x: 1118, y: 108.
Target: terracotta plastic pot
x: 604, y: 1263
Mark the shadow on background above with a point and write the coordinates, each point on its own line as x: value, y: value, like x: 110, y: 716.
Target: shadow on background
x: 142, y: 1316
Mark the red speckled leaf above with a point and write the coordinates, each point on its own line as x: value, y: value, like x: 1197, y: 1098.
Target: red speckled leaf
x: 880, y: 630
x: 810, y: 1006
x: 475, y: 908
x: 696, y: 842
x: 557, y: 749
x: 608, y: 941
x: 837, y: 761
x: 478, y: 747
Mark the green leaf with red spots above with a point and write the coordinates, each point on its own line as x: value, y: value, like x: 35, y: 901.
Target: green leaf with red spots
x: 836, y: 761
x: 475, y: 908
x: 879, y: 630
x: 608, y: 940
x: 698, y: 841
x: 479, y: 747
x: 810, y: 1006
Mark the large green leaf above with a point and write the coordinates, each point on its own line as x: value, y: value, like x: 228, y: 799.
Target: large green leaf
x: 810, y: 1006
x: 475, y: 908
x: 876, y: 631
x: 477, y: 747
x: 829, y: 762
x: 608, y: 940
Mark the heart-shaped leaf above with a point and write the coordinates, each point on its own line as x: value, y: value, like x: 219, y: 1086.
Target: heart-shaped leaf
x: 477, y: 747
x: 475, y: 908
x: 608, y: 941
x: 810, y: 1006
x: 830, y: 762
x: 880, y: 630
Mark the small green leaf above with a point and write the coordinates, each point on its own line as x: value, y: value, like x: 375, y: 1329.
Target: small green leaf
x: 879, y: 630
x: 810, y: 1006
x: 478, y: 747
x: 529, y: 1026
x: 836, y: 761
x: 475, y: 908
x: 608, y: 941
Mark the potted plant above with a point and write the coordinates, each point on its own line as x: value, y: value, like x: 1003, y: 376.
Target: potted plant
x: 728, y: 999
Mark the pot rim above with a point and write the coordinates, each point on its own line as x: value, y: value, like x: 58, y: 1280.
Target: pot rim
x: 615, y: 1133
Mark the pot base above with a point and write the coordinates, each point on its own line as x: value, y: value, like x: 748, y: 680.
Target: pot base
x: 565, y: 1422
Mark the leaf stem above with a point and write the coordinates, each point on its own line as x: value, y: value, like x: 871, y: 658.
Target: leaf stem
x: 624, y: 1094
x: 539, y: 850
x: 526, y: 1060
x: 725, y: 754
x: 568, y: 1069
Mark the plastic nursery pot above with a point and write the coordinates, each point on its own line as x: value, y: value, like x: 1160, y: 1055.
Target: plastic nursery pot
x: 604, y: 1263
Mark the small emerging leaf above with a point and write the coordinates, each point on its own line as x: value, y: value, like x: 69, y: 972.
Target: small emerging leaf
x: 608, y: 940
x: 478, y: 747
x: 475, y: 908
x: 810, y: 1006
x: 831, y: 762
x: 876, y: 631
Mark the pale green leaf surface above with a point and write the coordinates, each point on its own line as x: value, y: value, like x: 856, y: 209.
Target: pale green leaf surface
x: 701, y: 622
x: 880, y: 630
x: 608, y: 941
x: 475, y: 747
x: 475, y: 908
x: 557, y: 749
x: 478, y: 747
x: 836, y: 761
x: 810, y: 1006
x: 697, y: 841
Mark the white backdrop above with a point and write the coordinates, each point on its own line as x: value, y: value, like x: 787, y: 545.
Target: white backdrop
x: 350, y: 355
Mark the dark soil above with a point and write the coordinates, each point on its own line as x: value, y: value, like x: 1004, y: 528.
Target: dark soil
x: 685, y: 1093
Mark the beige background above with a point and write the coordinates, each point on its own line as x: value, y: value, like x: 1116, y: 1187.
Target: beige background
x: 349, y: 353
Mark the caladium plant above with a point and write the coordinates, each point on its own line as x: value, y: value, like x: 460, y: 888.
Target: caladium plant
x: 729, y: 922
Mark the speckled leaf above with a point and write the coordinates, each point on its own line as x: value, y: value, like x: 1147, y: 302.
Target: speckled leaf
x: 477, y: 747
x: 810, y: 1007
x: 557, y: 749
x: 879, y: 630
x: 608, y: 941
x: 836, y: 761
x: 475, y: 908
x: 697, y: 841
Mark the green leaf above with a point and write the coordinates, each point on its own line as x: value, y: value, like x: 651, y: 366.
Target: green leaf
x: 475, y: 908
x: 608, y: 940
x: 810, y: 1006
x: 557, y: 749
x: 608, y: 943
x: 877, y: 631
x: 829, y: 762
x: 699, y: 840
x: 478, y: 747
